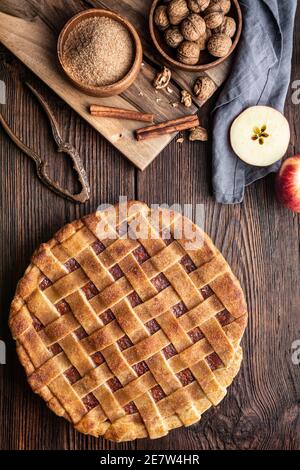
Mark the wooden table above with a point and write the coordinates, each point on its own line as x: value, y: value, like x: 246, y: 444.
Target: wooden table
x: 259, y: 238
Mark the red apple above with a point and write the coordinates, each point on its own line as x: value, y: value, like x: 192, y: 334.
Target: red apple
x: 288, y: 183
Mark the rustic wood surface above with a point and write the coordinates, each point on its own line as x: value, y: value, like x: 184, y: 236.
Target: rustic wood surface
x: 259, y: 238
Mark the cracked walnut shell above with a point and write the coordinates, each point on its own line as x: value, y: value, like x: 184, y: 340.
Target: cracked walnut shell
x: 161, y: 18
x: 219, y: 45
x: 162, y: 79
x: 204, y: 88
x: 197, y: 6
x: 173, y: 37
x: 188, y: 53
x: 193, y: 27
x: 198, y: 133
x: 177, y: 11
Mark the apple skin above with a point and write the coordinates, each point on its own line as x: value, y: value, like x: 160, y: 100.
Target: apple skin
x: 288, y: 183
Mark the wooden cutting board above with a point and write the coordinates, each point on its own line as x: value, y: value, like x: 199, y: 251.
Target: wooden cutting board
x: 29, y: 29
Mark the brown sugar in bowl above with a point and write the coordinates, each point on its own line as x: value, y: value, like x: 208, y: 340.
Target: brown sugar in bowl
x: 102, y: 90
x: 206, y: 60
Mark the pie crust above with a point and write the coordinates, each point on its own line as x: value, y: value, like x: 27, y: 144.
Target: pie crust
x: 129, y: 337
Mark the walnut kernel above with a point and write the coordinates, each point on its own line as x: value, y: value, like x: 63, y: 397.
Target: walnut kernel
x: 162, y: 79
x: 177, y: 11
x: 214, y: 19
x: 161, y: 18
x: 197, y: 6
x: 219, y: 45
x: 188, y: 53
x: 204, y: 88
x: 193, y: 27
x: 198, y: 133
x: 228, y: 27
x: 173, y: 37
x: 186, y: 99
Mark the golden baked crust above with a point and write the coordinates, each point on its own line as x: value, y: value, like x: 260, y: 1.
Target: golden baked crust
x: 129, y: 338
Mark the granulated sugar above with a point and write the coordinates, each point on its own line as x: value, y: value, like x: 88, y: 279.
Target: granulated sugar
x: 99, y: 51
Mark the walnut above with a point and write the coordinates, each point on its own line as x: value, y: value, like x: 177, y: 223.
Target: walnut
x: 213, y: 7
x: 198, y: 133
x: 161, y: 18
x: 197, y: 6
x: 228, y: 27
x: 219, y: 45
x: 204, y: 88
x: 193, y: 27
x: 188, y: 53
x: 202, y: 41
x: 173, y: 37
x: 225, y: 5
x: 213, y: 19
x: 177, y: 11
x: 162, y: 79
x: 186, y: 99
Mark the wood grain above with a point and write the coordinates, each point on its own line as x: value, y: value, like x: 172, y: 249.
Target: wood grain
x: 259, y: 238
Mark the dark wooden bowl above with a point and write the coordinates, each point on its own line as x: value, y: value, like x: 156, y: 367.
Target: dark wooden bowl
x: 207, y: 61
x: 121, y: 85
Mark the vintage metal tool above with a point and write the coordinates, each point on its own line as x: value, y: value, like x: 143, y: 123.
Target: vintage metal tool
x: 64, y: 147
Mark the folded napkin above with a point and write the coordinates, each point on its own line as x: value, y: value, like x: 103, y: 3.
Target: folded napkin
x: 260, y: 76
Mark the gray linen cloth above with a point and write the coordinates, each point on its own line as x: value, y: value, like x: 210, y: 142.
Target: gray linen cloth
x: 260, y: 76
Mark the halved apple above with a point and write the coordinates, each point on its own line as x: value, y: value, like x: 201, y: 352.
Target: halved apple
x: 260, y: 135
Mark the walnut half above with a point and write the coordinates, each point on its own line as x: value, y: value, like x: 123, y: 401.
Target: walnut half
x: 204, y: 88
x: 198, y: 133
x: 162, y: 79
x: 186, y: 99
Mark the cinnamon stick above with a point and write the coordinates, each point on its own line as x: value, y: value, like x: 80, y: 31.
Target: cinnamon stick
x: 119, y: 113
x: 167, y: 127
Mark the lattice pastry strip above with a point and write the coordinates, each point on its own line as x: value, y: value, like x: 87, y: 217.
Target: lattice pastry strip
x: 129, y: 337
x: 94, y: 269
x: 140, y: 401
x: 156, y: 363
x: 158, y: 380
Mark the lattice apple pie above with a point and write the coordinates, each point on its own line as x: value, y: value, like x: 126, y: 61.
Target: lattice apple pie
x: 128, y: 325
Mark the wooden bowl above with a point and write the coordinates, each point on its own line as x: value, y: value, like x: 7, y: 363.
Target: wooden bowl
x: 121, y: 85
x: 207, y: 61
